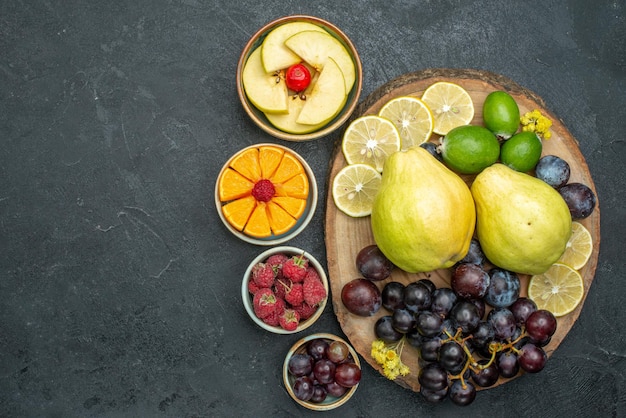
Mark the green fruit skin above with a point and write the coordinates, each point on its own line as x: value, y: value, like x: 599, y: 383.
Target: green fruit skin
x: 423, y: 216
x: 522, y: 223
x: 469, y: 149
x: 501, y: 114
x: 525, y: 145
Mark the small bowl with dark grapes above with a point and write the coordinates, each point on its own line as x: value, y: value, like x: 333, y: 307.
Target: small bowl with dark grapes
x: 321, y: 372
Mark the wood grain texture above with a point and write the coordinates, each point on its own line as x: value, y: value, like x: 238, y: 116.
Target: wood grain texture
x: 346, y: 236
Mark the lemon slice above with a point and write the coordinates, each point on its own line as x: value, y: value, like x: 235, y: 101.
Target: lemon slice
x: 451, y: 105
x: 579, y: 247
x: 559, y: 290
x: 354, y: 189
x: 412, y: 117
x: 370, y: 140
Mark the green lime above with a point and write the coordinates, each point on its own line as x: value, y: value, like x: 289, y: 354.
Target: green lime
x: 521, y: 152
x: 469, y: 149
x: 501, y: 114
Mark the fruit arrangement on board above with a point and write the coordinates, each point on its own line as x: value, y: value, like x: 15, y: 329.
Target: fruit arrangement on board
x: 471, y: 239
x: 299, y: 77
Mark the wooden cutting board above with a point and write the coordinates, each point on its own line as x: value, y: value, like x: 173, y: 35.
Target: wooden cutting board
x: 346, y: 236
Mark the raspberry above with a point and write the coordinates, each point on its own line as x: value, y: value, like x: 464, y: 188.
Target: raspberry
x: 272, y: 320
x: 314, y: 290
x: 253, y: 287
x: 295, y: 268
x: 311, y: 272
x: 289, y: 320
x: 280, y: 306
x: 280, y: 287
x: 294, y: 295
x: 263, y: 190
x: 264, y: 303
x: 305, y: 310
x: 263, y: 275
x: 276, y: 261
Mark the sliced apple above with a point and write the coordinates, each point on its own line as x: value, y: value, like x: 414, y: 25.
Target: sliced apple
x: 287, y: 122
x: 327, y: 97
x: 266, y: 91
x: 316, y: 47
x: 274, y: 54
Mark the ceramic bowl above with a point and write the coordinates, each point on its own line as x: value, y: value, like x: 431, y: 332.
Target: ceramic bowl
x: 353, y: 96
x: 302, y: 221
x: 330, y: 402
x: 247, y: 296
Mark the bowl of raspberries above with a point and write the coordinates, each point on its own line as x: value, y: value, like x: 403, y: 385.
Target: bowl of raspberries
x: 284, y: 290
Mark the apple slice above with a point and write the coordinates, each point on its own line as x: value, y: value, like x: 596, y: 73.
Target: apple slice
x: 316, y: 47
x: 274, y: 54
x: 267, y: 91
x: 287, y: 122
x: 327, y: 97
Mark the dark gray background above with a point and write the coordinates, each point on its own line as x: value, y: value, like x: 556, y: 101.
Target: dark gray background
x: 119, y: 286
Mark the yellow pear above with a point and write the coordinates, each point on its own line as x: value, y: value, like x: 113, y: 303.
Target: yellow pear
x: 523, y: 224
x: 423, y: 215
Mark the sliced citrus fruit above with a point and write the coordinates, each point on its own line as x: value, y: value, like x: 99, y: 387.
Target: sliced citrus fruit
x: 354, y: 189
x: 247, y: 164
x: 233, y: 185
x: 269, y: 159
x: 579, y: 247
x: 238, y: 211
x: 559, y: 290
x: 258, y: 225
x: 293, y: 205
x: 451, y: 105
x: 296, y: 186
x: 280, y: 220
x: 289, y: 166
x: 412, y: 118
x: 370, y: 140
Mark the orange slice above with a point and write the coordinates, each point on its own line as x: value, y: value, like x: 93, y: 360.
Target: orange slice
x: 294, y: 206
x: 289, y: 166
x: 269, y: 158
x: 247, y: 164
x: 258, y: 225
x: 296, y: 186
x: 280, y: 220
x: 238, y: 211
x: 233, y: 185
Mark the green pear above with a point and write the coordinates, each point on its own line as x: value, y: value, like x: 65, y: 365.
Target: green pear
x: 522, y: 223
x: 423, y: 215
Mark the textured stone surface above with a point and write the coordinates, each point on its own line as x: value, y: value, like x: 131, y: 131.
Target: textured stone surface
x: 119, y: 286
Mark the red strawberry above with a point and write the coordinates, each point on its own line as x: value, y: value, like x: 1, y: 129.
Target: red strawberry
x: 314, y: 290
x: 289, y: 320
x: 295, y: 294
x: 264, y: 303
x: 263, y: 275
x: 305, y: 310
x: 295, y: 268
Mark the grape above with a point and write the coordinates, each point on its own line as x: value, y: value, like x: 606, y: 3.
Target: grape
x: 361, y: 297
x: 452, y: 357
x: 541, y: 325
x: 433, y: 376
x: 429, y: 350
x: 347, y: 374
x: 335, y: 389
x: 553, y: 170
x: 480, y: 304
x: 532, y: 358
x: 482, y: 335
x: 503, y: 323
x: 462, y: 393
x: 503, y: 288
x: 432, y: 149
x: 324, y: 371
x: 521, y: 309
x: 402, y: 320
x: 337, y: 351
x: 443, y: 299
x: 414, y: 338
x: 300, y: 364
x: 417, y: 296
x: 475, y: 254
x: 429, y: 284
x: 303, y: 388
x: 317, y: 348
x: 486, y: 377
x: 428, y: 324
x: 319, y: 394
x: 392, y: 296
x: 508, y: 364
x: 470, y: 281
x: 465, y: 315
x: 580, y: 199
x: 434, y: 396
x: 373, y: 264
x: 385, y: 331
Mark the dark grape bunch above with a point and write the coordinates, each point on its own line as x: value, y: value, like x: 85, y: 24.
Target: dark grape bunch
x: 470, y: 334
